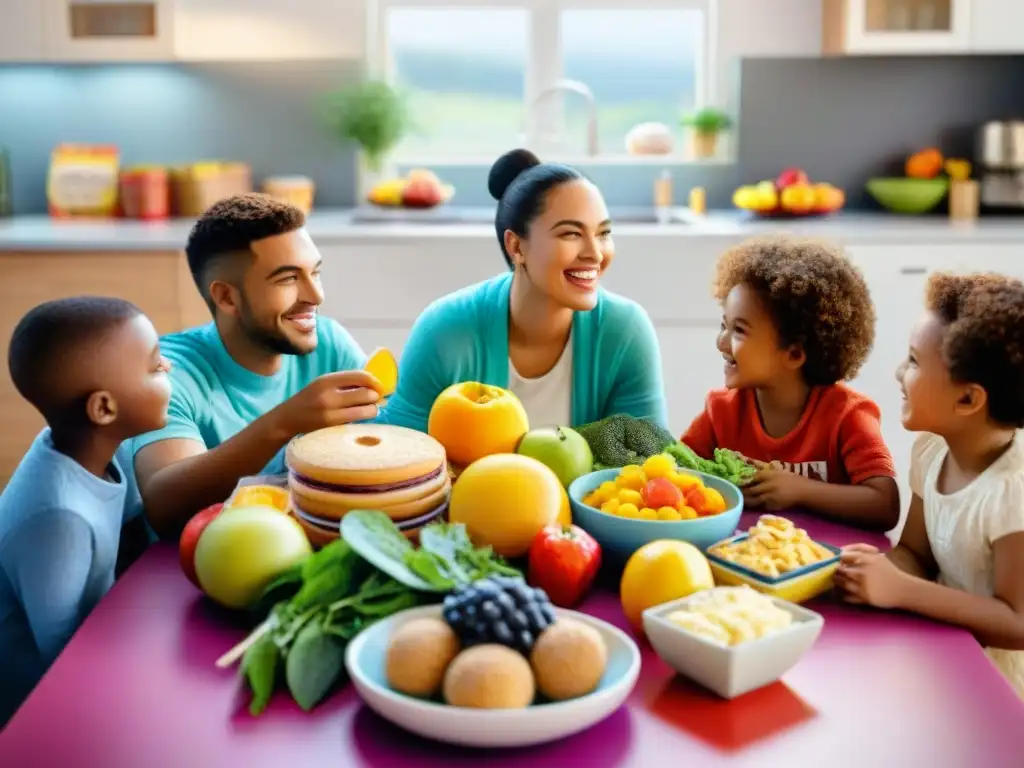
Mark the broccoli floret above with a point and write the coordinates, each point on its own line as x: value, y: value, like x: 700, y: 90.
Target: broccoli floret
x: 619, y: 440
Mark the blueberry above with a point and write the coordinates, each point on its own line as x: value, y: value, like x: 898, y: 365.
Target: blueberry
x: 548, y: 612
x: 517, y: 620
x: 505, y: 602
x: 453, y: 617
x: 524, y: 640
x: 489, y: 610
x: 540, y: 595
x: 503, y: 634
x: 470, y: 611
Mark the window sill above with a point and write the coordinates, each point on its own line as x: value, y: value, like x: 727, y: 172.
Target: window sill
x: 672, y: 160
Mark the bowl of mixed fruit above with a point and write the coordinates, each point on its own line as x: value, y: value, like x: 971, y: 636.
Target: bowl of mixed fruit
x: 625, y: 508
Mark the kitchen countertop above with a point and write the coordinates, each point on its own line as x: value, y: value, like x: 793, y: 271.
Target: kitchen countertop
x: 41, y: 233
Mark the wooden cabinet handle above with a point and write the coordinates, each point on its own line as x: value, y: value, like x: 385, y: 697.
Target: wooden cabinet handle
x: 912, y: 270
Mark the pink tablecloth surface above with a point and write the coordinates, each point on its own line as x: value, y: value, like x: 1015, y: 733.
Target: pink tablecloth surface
x: 137, y: 686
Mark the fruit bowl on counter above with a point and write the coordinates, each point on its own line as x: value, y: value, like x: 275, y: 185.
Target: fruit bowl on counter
x: 419, y: 189
x: 791, y: 195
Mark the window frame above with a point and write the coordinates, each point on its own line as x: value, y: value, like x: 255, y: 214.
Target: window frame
x: 544, y: 62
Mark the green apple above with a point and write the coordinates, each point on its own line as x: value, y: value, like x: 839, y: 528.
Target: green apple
x: 561, y: 449
x: 243, y: 549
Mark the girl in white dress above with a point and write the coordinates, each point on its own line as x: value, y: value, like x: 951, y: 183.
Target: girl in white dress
x: 961, y: 556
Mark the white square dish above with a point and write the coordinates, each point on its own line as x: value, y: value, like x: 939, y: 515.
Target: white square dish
x: 731, y: 671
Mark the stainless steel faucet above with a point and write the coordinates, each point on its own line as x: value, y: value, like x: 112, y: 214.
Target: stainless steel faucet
x: 575, y: 86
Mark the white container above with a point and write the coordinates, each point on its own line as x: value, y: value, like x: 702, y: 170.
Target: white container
x: 731, y: 671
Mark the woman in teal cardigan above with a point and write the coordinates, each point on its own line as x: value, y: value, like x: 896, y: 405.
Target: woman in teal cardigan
x: 546, y: 330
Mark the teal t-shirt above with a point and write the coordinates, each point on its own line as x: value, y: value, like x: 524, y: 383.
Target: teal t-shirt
x: 213, y: 397
x: 616, y: 359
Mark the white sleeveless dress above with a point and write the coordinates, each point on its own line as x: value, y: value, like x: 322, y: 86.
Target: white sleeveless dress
x: 962, y: 526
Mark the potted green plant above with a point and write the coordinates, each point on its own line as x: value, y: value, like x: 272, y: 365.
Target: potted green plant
x: 705, y: 125
x: 371, y: 114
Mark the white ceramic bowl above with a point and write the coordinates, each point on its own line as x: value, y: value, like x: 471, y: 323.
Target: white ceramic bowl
x: 731, y: 671
x: 365, y: 662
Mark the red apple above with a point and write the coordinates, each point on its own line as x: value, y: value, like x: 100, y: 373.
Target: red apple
x: 190, y: 538
x: 422, y: 193
x: 791, y: 176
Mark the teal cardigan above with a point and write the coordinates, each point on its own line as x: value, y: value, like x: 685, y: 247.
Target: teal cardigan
x: 464, y: 337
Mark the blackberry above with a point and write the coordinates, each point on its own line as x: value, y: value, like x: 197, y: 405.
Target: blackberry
x: 499, y: 609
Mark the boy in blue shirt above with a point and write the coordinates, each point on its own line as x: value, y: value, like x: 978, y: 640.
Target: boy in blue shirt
x: 92, y: 367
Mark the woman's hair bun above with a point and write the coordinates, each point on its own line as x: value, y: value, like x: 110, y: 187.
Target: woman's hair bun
x: 506, y: 168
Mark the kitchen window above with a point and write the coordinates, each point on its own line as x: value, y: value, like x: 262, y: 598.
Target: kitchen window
x: 567, y: 78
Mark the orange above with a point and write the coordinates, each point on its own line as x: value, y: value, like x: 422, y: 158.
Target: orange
x: 504, y: 500
x: 383, y: 367
x: 659, y: 572
x: 261, y: 496
x: 472, y: 420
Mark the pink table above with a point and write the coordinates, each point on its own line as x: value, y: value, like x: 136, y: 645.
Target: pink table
x: 138, y: 686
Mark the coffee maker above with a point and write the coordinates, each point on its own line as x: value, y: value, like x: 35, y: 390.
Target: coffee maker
x: 1000, y: 164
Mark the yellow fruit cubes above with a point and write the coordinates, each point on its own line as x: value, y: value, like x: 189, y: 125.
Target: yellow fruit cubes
x: 656, y: 490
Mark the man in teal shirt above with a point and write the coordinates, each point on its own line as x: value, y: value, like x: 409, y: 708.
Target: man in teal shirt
x: 266, y: 369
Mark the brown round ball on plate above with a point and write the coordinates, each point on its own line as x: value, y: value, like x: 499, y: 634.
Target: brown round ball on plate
x: 568, y: 660
x: 418, y: 656
x: 489, y: 676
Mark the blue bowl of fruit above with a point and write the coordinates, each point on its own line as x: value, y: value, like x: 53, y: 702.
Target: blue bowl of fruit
x: 623, y: 509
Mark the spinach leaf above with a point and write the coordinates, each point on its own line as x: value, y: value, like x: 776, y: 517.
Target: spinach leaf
x: 447, y: 543
x: 375, y: 537
x: 327, y: 577
x: 281, y: 588
x: 314, y: 663
x: 260, y: 665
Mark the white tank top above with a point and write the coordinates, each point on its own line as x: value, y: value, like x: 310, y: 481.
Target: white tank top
x: 548, y: 398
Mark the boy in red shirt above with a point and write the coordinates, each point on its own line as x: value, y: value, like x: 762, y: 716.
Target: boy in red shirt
x: 798, y: 320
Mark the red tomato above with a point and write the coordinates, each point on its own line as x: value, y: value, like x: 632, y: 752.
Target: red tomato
x: 661, y: 492
x: 695, y: 499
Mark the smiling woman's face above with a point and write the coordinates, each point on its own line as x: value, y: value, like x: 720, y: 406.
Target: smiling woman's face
x: 568, y: 246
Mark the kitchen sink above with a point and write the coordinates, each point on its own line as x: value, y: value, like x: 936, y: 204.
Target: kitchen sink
x: 451, y: 214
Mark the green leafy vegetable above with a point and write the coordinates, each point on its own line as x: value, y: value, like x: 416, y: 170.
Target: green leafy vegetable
x: 372, y: 572
x: 259, y: 665
x: 313, y: 665
x: 726, y: 464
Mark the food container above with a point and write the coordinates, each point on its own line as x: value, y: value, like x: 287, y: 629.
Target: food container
x: 796, y: 586
x: 83, y: 181
x: 196, y: 187
x: 731, y: 671
x: 620, y: 537
x: 145, y: 193
x: 294, y: 190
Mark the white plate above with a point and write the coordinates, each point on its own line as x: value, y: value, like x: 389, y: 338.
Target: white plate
x: 365, y: 661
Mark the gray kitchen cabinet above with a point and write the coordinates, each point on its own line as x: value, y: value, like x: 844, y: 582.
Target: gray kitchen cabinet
x: 21, y: 31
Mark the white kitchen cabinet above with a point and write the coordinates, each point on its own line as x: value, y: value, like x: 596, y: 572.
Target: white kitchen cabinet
x: 997, y: 26
x: 107, y: 30
x: 893, y: 27
x: 21, y: 30
x: 261, y: 30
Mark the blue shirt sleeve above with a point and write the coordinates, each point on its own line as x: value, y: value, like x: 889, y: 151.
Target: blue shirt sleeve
x: 639, y: 388
x: 50, y: 575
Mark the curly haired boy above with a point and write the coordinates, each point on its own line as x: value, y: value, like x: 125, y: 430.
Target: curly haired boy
x: 960, y: 558
x: 797, y: 322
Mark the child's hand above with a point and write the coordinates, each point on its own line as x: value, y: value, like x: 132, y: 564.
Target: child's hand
x: 774, y: 489
x: 869, y: 578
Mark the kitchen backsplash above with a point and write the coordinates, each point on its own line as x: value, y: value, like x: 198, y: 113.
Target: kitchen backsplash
x: 262, y: 113
x: 843, y: 120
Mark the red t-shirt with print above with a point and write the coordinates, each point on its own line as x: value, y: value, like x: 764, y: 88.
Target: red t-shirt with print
x: 838, y: 439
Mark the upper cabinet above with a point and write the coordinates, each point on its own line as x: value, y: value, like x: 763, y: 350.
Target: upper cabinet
x: 21, y: 30
x: 218, y: 30
x: 888, y: 27
x: 107, y: 30
x: 180, y: 30
x: 997, y: 26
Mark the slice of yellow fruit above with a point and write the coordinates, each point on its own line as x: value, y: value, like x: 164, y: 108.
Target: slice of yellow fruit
x: 383, y: 367
x: 261, y: 496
